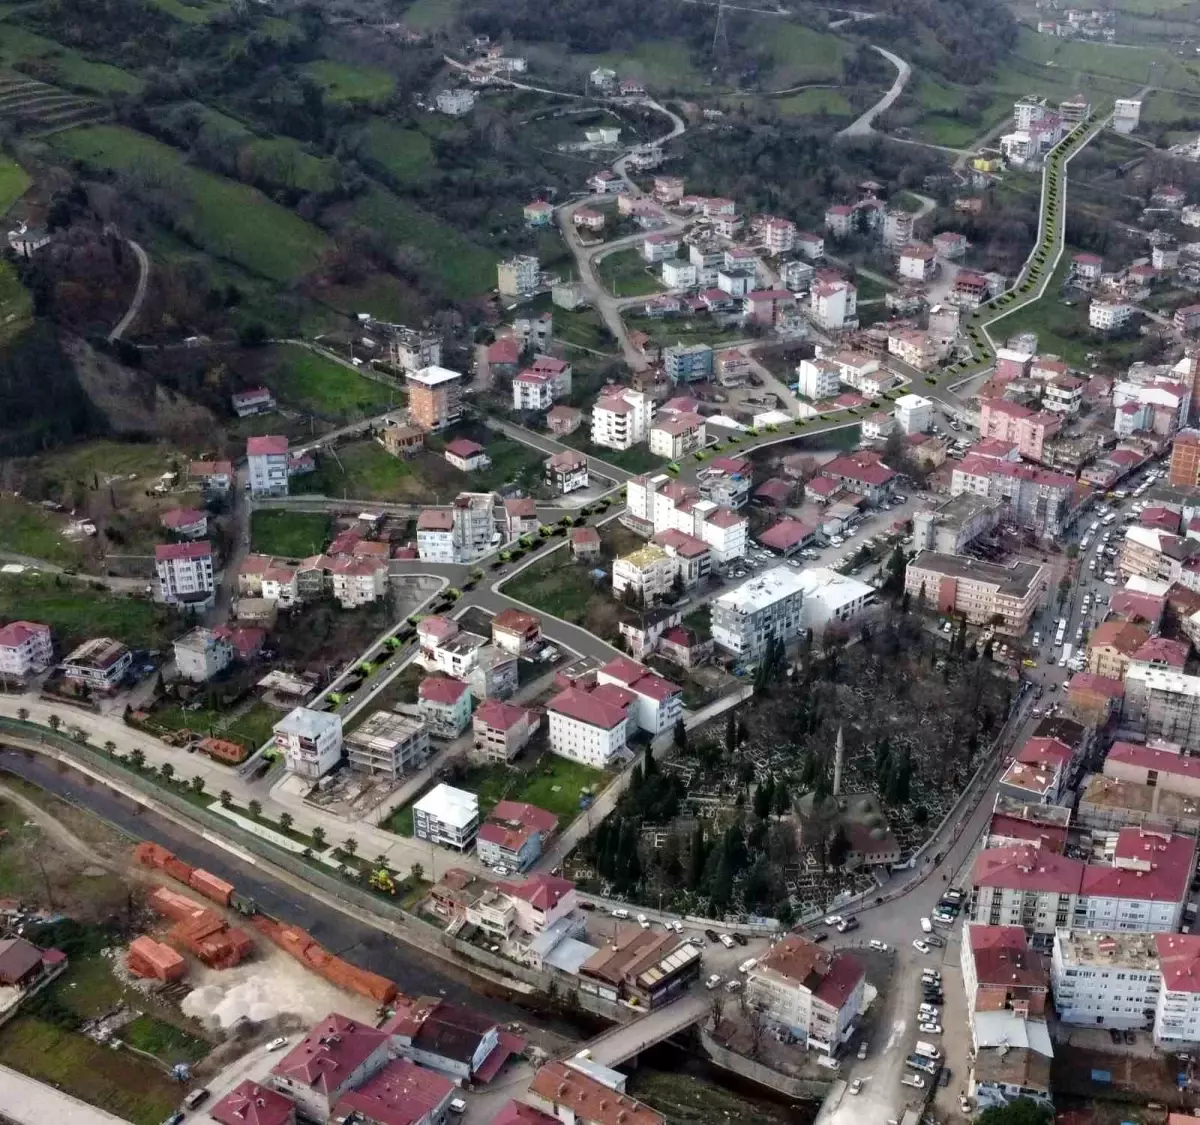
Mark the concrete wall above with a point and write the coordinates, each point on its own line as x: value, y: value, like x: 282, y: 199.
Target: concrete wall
x: 810, y: 1089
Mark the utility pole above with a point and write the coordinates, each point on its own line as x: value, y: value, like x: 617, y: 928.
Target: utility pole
x: 720, y: 41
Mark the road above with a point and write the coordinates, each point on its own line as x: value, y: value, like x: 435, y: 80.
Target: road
x: 139, y: 294
x: 864, y: 126
x: 549, y: 446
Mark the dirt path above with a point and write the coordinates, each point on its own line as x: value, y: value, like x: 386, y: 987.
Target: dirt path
x: 60, y: 834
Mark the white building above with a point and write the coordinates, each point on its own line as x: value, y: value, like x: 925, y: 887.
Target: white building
x: 817, y: 380
x: 267, y: 461
x: 435, y: 535
x: 833, y: 599
x: 590, y: 727
x: 445, y: 705
x: 201, y: 654
x: 621, y: 418
x: 456, y: 103
x: 914, y: 414
x: 311, y: 741
x: 1105, y: 316
x: 918, y: 262
x: 185, y: 574
x: 833, y: 305
x: 1177, y: 1015
x: 99, y: 664
x: 447, y: 816
x: 815, y: 994
x: 1105, y: 979
x: 658, y: 704
x: 767, y: 606
x: 566, y: 471
x: 1127, y: 114
x: 532, y: 390
x: 26, y: 648
x: 518, y: 276
x: 678, y: 274
x: 648, y: 572
x: 676, y: 436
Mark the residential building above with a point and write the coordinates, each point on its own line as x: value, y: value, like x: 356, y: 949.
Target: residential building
x: 357, y: 582
x: 1063, y: 394
x: 256, y: 400
x: 648, y: 572
x: 267, y: 461
x: 1107, y: 316
x: 402, y: 1093
x: 473, y: 531
x: 574, y: 1098
x: 447, y: 816
x: 955, y: 524
x: 532, y: 390
x: 202, y: 654
x: 388, y: 744
x: 337, y: 1055
x: 585, y: 543
x: 467, y: 456
x: 1161, y: 767
x: 567, y: 471
x: 911, y: 347
x: 410, y: 349
x: 1164, y: 705
x: 517, y: 632
x: 687, y: 363
x: 1007, y: 987
x: 590, y: 727
x: 1184, y: 469
x: 950, y: 245
x: 402, y: 439
x: 445, y: 705
x: 691, y: 557
x: 463, y: 1044
x: 539, y: 213
x: 1000, y: 1075
x: 898, y: 227
x: 434, y: 397
x: 1109, y: 804
x: 1037, y: 499
x: 1177, y: 1013
x: 815, y: 994
x: 914, y: 414
x: 658, y: 703
x: 668, y: 189
x: 521, y: 517
x: 1109, y: 980
x: 817, y: 379
x: 677, y: 435
x: 501, y: 730
x: 1004, y: 596
x: 187, y: 523
x: 863, y: 473
x: 648, y: 968
x: 1111, y: 646
x: 767, y: 607
x: 248, y: 1103
x: 811, y: 245
x: 833, y: 305
x: 563, y: 420
x: 99, y: 664
x: 659, y: 247
x: 1028, y: 429
x: 310, y: 741
x: 455, y: 103
x: 1038, y: 773
x: 518, y: 276
x: 621, y: 418
x: 833, y: 600
x: 435, y: 535
x: 26, y: 648
x: 918, y: 262
x: 211, y: 476
x: 185, y: 574
x: 494, y: 674
x: 970, y: 289
x: 726, y: 481
x: 514, y: 835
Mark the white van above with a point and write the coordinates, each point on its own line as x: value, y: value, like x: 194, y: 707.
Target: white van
x: 747, y: 965
x: 620, y: 912
x: 926, y: 926
x: 727, y: 941
x: 927, y: 1050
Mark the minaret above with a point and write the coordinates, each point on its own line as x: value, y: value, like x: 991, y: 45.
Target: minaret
x: 839, y: 750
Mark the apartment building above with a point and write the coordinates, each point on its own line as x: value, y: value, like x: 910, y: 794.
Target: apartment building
x: 185, y: 574
x: 918, y: 262
x: 590, y: 727
x: 833, y: 305
x: 532, y: 390
x: 410, y: 349
x: 202, y: 654
x: 99, y: 664
x: 389, y: 745
x: 1027, y: 429
x: 833, y: 600
x: 448, y: 817
x: 1038, y: 773
x: 1007, y: 988
x: 621, y: 418
x: 688, y: 363
x: 898, y: 227
x: 1177, y: 1014
x: 1037, y: 499
x: 1111, y: 646
x: 1184, y: 471
x: 336, y: 1056
x: 1107, y: 316
x: 518, y: 276
x: 766, y: 607
x: 1149, y: 552
x: 26, y: 648
x: 1162, y: 768
x: 663, y: 504
x: 267, y: 463
x: 434, y: 397
x: 1109, y: 804
x: 445, y: 705
x: 514, y: 835
x: 1025, y: 886
x: 914, y: 414
x: 985, y: 593
x: 1110, y: 980
x: 862, y: 473
x: 677, y: 435
x: 1164, y: 705
x: 311, y: 741
x: 727, y: 481
x: 567, y: 471
x: 657, y: 705
x: 647, y: 572
x: 817, y: 379
x: 568, y: 1095
x: 692, y: 557
x: 517, y: 632
x: 501, y: 730
x: 211, y: 476
x: 815, y: 994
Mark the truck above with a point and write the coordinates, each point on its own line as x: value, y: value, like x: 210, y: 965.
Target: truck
x: 1066, y: 653
x: 927, y: 1066
x: 927, y: 1050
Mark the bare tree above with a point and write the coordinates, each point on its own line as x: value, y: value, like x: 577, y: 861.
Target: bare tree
x: 756, y: 1025
x: 716, y: 1005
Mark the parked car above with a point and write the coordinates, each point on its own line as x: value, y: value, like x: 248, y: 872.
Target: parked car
x: 862, y: 1049
x: 931, y: 1028
x: 920, y: 946
x: 1114, y: 1035
x: 847, y: 924
x: 643, y: 921
x: 856, y: 1086
x: 727, y: 941
x: 733, y: 986
x: 818, y: 938
x: 739, y: 938
x: 712, y: 936
x: 712, y: 981
x: 944, y: 1077
x: 277, y: 1043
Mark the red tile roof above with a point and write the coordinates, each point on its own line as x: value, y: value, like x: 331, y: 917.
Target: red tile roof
x: 499, y: 714
x: 785, y: 535
x: 516, y: 621
x: 441, y: 689
x: 1163, y: 761
x: 1038, y: 751
x: 399, y: 1094
x: 248, y: 1103
x: 1163, y: 650
x: 435, y: 519
x: 589, y: 1100
x: 566, y: 460
x: 582, y: 536
x: 262, y: 446
x: 464, y: 448
x: 682, y: 543
x: 170, y: 552
x: 182, y: 517
x: 1099, y: 685
x: 538, y: 819
x: 1179, y: 962
x: 1015, y: 828
x: 542, y: 892
x: 514, y: 1112
x: 725, y: 517
x: 16, y: 633
x: 1148, y: 865
x: 585, y: 707
x: 504, y: 350
x: 330, y: 1053
x: 1024, y: 868
x: 844, y: 976
x: 776, y: 490
x: 873, y: 473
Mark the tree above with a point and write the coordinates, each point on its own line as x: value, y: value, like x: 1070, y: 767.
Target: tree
x: 681, y: 738
x: 226, y: 798
x: 110, y: 747
x: 416, y: 873
x: 197, y: 784
x: 167, y: 771
x: 23, y: 714
x: 318, y: 836
x: 137, y: 759
x: 1022, y: 1111
x: 54, y: 722
x: 286, y: 820
x: 716, y: 1006
x: 350, y: 846
x: 839, y: 847
x: 730, y: 733
x: 756, y: 1025
x: 782, y: 800
x: 763, y: 797
x: 255, y: 807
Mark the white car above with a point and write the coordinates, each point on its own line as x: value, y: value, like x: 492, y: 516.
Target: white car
x: 862, y: 1049
x: 276, y: 1044
x: 727, y: 941
x: 500, y: 869
x: 833, y: 919
x: 643, y: 921
x: 913, y: 1080
x: 856, y: 1086
x: 931, y: 1028
x: 920, y: 946
x: 712, y: 982
x: 878, y: 946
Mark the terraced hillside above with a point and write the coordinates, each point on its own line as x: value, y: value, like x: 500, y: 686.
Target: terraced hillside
x: 42, y: 109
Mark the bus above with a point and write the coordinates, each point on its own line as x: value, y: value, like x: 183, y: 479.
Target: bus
x: 1061, y: 633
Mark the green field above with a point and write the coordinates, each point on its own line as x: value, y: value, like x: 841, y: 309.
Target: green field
x: 557, y: 585
x: 639, y: 459
x: 187, y: 12
x: 15, y: 303
x: 14, y: 182
x: 798, y: 54
x: 625, y: 274
x: 662, y: 64
x: 294, y: 535
x: 363, y: 470
x: 32, y: 531
x: 465, y: 269
x: 227, y: 219
x: 669, y: 330
x: 406, y: 154
x: 76, y: 612
x: 343, y: 83
x: 163, y: 1040
x: 430, y: 15
x: 20, y: 46
x: 282, y: 160
x: 328, y: 389
x: 808, y: 103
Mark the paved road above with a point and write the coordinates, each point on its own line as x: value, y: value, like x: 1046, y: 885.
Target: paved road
x: 549, y: 446
x: 34, y: 1103
x: 139, y: 294
x: 865, y: 125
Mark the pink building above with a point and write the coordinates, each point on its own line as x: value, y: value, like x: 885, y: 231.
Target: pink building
x: 1028, y: 429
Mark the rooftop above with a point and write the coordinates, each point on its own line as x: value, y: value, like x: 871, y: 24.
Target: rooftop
x: 451, y: 806
x: 762, y: 591
x: 248, y: 1103
x: 589, y: 1100
x: 303, y: 722
x: 330, y: 1053
x: 433, y: 376
x: 1016, y: 579
x: 1179, y: 961
x: 585, y: 707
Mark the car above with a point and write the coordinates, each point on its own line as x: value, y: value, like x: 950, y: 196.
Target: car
x: 964, y: 1103
x: 944, y: 1076
x: 833, y: 919
x: 585, y: 905
x: 712, y: 981
x: 195, y: 1098
x: 913, y: 1080
x: 727, y: 941
x: 818, y: 938
x: 1130, y: 1038
x: 712, y: 936
x: 931, y: 1028
x: 740, y: 939
x: 862, y: 1049
x: 920, y: 946
x: 643, y: 921
x: 856, y: 1086
x: 277, y: 1043
x: 174, y: 1119
x: 457, y: 1106
x: 878, y: 946
x: 1114, y: 1035
x: 620, y: 912
x: 677, y: 926
x: 936, y: 940
x: 500, y: 869
x: 733, y: 986
x: 847, y: 924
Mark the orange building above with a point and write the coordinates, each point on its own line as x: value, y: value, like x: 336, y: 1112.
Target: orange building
x: 434, y: 397
x: 1185, y: 459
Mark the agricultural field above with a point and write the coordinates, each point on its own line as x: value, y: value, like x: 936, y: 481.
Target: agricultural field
x: 227, y: 219
x: 294, y: 535
x: 14, y: 181
x: 189, y: 11
x: 362, y: 470
x: 406, y: 155
x: 797, y: 54
x: 668, y: 330
x: 16, y: 306
x: 323, y: 387
x: 343, y: 83
x: 809, y: 103
x: 34, y: 533
x: 625, y: 274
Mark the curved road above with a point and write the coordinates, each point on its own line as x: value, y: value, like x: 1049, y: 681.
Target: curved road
x: 139, y: 294
x: 865, y: 125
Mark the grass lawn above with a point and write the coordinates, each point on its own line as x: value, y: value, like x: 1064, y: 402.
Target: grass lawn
x: 20, y: 46
x: 869, y: 289
x: 669, y: 330
x: 328, y: 389
x: 14, y: 181
x: 512, y: 462
x: 584, y: 328
x: 254, y: 727
x: 15, y: 303
x: 625, y: 274
x: 227, y: 219
x: 551, y: 783
x: 76, y: 611
x: 363, y: 470
x: 429, y: 15
x: 295, y: 535
x: 284, y: 161
x: 124, y: 1084
x: 639, y: 459
x: 406, y: 154
x: 465, y: 269
x: 797, y: 54
x: 659, y: 63
x: 344, y: 83
x: 163, y: 1040
x: 809, y: 103
x: 190, y: 12
x: 29, y: 530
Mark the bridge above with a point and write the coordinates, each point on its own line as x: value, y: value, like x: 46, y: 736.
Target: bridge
x: 620, y: 1044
